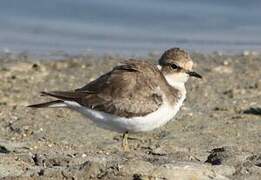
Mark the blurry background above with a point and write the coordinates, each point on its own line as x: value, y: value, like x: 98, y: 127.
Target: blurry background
x: 129, y: 27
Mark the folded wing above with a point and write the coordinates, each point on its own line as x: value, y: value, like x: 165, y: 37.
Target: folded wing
x: 130, y: 89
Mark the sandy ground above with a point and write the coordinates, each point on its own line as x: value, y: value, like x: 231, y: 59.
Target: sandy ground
x: 216, y: 135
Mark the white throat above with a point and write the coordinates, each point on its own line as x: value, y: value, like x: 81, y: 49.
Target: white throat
x: 177, y: 81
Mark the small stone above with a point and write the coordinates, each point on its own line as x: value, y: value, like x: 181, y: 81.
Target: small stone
x: 4, y: 150
x: 216, y: 156
x: 230, y: 93
x: 227, y: 155
x: 13, y: 77
x: 223, y: 69
x: 84, y: 155
x: 35, y: 66
x: 220, y: 109
x: 253, y: 110
x: 246, y: 53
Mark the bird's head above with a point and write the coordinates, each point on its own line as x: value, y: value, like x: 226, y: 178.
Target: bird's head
x: 176, y: 66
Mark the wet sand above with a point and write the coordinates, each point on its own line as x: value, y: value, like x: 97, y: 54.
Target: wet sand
x: 216, y: 134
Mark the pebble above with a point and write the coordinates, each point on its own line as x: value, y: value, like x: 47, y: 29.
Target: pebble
x: 84, y: 155
x: 223, y: 69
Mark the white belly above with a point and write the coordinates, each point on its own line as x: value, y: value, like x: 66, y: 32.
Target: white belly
x: 134, y: 124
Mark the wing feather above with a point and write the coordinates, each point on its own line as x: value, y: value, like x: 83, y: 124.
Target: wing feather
x: 130, y: 89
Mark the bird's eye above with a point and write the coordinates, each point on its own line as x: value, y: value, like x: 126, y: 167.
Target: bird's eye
x: 174, y: 66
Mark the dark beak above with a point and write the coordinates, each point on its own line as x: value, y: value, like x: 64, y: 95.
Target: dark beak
x: 192, y: 73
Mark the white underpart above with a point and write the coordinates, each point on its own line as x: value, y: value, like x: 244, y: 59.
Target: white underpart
x: 134, y: 124
x: 156, y: 119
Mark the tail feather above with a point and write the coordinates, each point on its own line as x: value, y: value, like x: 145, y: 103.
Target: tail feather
x: 61, y: 96
x: 50, y: 104
x: 64, y: 95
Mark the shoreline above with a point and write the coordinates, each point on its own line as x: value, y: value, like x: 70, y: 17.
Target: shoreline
x: 60, y: 54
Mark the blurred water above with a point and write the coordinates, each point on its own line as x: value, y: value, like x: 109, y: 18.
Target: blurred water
x: 133, y: 27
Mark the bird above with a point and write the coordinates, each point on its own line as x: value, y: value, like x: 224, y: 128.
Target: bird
x: 135, y: 96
